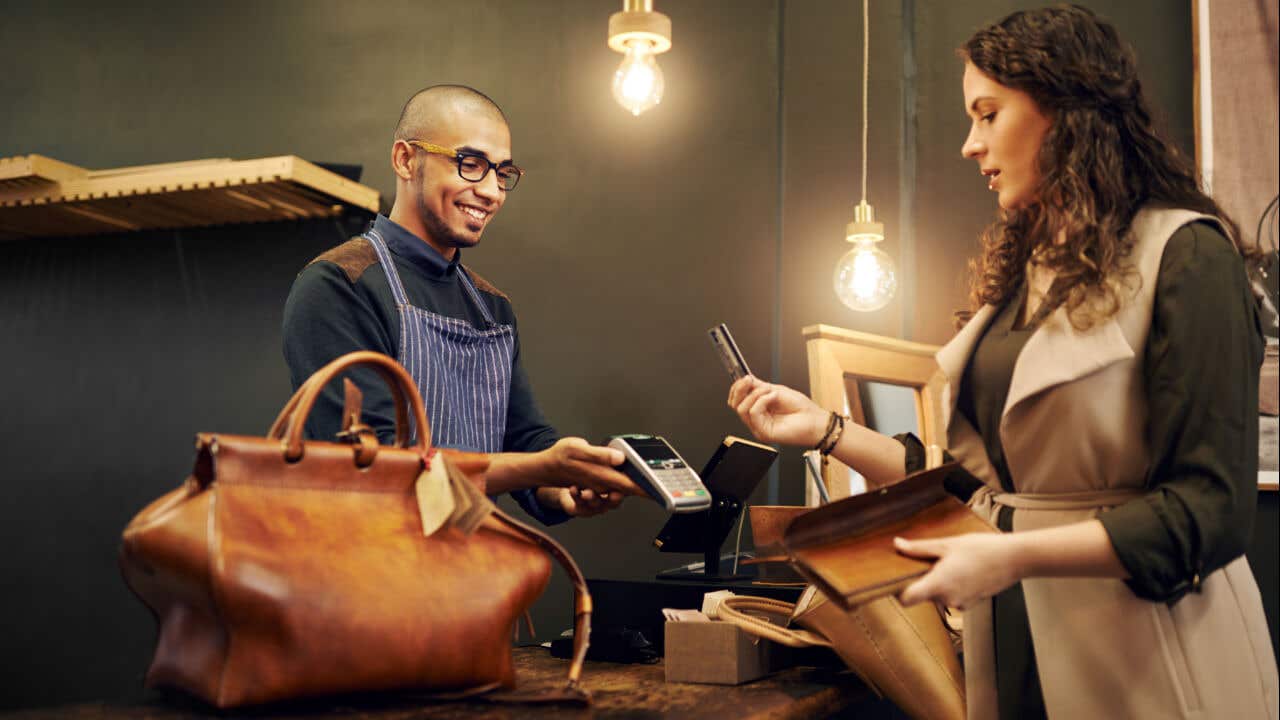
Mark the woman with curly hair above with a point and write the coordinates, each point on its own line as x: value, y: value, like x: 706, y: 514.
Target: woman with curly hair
x: 1102, y: 398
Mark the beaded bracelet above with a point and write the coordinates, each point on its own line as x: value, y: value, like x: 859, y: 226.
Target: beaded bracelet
x: 835, y: 437
x: 835, y: 428
x: 826, y: 434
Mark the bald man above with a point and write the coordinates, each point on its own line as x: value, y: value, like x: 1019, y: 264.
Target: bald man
x: 401, y: 289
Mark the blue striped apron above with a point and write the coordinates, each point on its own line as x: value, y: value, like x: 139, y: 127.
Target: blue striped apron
x: 463, y: 374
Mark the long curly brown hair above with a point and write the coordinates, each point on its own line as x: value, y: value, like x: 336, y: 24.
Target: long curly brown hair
x: 1101, y: 161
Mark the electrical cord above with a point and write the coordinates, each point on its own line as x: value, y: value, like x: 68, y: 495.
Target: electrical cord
x: 866, y: 41
x: 1271, y: 210
x: 1270, y: 300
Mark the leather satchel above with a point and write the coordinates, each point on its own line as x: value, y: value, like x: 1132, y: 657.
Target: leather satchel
x: 902, y: 653
x: 846, y: 551
x: 284, y: 568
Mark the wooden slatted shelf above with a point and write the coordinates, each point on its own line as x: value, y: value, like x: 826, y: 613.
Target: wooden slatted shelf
x: 35, y: 171
x: 43, y: 197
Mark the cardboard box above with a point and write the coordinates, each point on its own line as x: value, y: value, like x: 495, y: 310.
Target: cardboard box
x: 715, y: 652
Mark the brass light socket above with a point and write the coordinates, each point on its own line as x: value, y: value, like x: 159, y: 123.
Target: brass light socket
x: 864, y: 224
x: 638, y: 22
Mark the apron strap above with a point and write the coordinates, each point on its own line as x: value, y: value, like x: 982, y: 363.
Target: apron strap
x: 397, y: 287
x: 475, y: 295
x: 388, y: 265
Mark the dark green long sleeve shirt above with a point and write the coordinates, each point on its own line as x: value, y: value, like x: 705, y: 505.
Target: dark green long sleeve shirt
x: 341, y: 302
x: 1201, y: 365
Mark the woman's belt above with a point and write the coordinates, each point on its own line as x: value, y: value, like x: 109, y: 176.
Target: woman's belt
x: 1087, y: 500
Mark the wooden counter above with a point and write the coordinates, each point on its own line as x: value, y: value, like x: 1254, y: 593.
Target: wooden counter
x: 620, y: 691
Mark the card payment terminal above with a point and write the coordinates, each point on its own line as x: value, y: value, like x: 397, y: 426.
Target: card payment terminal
x: 655, y: 466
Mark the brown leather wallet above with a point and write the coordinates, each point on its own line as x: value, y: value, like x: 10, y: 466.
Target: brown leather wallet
x: 846, y: 548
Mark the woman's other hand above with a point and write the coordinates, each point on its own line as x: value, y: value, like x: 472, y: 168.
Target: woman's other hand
x: 976, y: 566
x: 968, y: 568
x: 777, y: 413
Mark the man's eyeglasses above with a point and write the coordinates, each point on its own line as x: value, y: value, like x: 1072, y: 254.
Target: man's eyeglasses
x: 473, y: 167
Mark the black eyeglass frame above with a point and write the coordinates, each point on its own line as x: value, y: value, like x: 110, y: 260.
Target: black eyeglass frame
x: 459, y: 157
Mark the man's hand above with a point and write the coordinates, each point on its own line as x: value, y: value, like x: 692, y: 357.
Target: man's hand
x: 578, y: 502
x: 573, y: 462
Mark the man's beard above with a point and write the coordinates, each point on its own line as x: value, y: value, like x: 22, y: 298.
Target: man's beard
x: 442, y: 233
x: 436, y: 227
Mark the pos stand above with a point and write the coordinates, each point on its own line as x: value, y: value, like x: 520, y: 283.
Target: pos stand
x: 730, y: 475
x: 711, y: 526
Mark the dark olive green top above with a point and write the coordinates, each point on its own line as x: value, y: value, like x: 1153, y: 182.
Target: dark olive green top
x: 1201, y: 364
x: 983, y: 392
x: 1202, y: 359
x: 985, y: 386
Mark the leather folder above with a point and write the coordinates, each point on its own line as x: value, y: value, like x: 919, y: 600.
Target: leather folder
x: 846, y: 548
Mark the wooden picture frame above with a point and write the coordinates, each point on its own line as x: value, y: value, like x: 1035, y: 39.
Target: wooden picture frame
x: 840, y: 359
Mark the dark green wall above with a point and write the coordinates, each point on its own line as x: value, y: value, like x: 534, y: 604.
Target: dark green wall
x: 627, y: 240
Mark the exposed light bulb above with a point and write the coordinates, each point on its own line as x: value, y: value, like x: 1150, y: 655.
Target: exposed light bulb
x: 866, y: 277
x: 639, y: 33
x: 638, y: 83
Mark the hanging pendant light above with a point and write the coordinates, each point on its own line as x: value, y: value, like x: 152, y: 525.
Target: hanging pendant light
x: 640, y: 34
x: 865, y: 278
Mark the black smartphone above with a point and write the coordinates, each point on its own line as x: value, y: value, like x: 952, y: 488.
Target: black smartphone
x: 728, y: 351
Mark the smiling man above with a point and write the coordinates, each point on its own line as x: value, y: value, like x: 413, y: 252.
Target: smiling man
x: 401, y: 289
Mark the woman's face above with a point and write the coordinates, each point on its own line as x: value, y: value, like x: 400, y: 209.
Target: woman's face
x: 1005, y: 136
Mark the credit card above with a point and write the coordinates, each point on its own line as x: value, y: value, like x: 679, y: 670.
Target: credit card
x: 728, y: 351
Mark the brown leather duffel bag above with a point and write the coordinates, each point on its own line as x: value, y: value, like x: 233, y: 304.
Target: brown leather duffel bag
x: 284, y: 569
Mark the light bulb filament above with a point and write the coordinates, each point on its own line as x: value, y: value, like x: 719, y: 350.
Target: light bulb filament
x: 638, y: 82
x: 866, y: 274
x: 865, y: 278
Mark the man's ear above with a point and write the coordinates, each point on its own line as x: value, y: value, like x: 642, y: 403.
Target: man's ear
x: 402, y: 159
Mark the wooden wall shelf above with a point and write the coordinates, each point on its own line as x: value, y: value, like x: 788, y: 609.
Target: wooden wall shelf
x: 43, y: 197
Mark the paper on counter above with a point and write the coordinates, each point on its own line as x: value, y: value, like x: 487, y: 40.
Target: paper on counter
x: 681, y: 615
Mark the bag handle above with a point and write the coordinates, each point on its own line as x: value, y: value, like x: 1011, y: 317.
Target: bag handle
x: 403, y: 430
x: 289, y: 425
x: 402, y: 413
x: 581, y: 615
x: 745, y: 611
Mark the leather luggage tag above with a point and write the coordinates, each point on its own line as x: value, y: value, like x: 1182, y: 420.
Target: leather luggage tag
x: 435, y: 496
x: 447, y: 497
